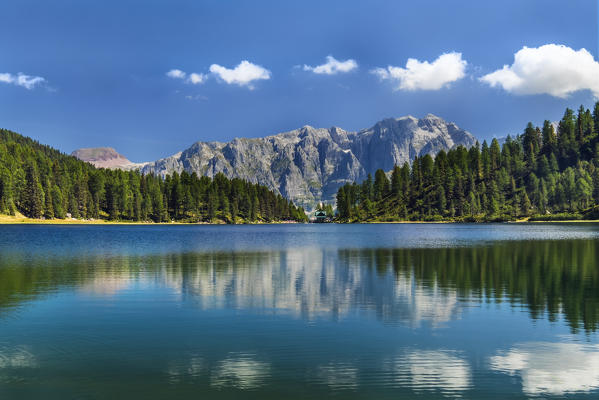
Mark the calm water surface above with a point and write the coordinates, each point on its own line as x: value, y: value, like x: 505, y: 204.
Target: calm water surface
x: 495, y: 311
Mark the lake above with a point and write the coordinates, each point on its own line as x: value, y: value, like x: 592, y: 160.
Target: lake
x: 389, y: 311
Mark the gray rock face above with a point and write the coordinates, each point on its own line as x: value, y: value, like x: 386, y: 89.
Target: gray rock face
x: 308, y: 165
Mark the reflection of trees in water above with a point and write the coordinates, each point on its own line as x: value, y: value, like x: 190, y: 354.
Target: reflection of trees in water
x: 399, y: 285
x: 549, y: 277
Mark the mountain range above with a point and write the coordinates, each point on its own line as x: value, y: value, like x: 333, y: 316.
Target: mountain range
x: 305, y: 165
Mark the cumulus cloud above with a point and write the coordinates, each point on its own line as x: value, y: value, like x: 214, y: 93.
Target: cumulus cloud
x: 27, y: 81
x: 551, y: 368
x: 551, y: 69
x: 196, y: 78
x: 176, y: 74
x: 193, y: 78
x: 242, y: 75
x: 333, y: 66
x: 422, y: 75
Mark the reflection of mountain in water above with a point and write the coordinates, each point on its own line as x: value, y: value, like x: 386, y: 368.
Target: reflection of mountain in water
x: 410, y: 286
x: 309, y: 284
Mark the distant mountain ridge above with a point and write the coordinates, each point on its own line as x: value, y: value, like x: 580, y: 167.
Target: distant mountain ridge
x: 104, y: 157
x: 308, y: 165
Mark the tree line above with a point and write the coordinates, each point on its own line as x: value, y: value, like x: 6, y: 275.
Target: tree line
x: 546, y: 173
x: 40, y: 182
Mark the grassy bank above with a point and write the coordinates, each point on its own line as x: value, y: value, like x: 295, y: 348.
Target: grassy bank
x: 21, y: 219
x: 533, y: 219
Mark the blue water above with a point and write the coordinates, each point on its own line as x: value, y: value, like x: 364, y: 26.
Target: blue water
x: 299, y: 311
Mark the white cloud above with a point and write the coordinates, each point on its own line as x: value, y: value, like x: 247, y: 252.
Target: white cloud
x: 197, y: 79
x: 422, y: 75
x: 551, y: 69
x: 176, y: 74
x: 196, y: 97
x: 333, y: 66
x: 243, y: 74
x: 26, y: 81
x: 551, y: 368
x: 193, y: 78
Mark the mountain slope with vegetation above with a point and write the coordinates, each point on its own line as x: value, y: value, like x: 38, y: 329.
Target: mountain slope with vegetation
x: 543, y: 174
x: 41, y: 182
x: 308, y: 165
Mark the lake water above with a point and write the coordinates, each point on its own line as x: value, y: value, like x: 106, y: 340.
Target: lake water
x: 424, y: 311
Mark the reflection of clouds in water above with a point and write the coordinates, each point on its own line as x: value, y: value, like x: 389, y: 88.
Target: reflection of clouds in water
x: 12, y: 361
x: 240, y: 370
x: 551, y: 368
x: 108, y: 285
x: 439, y: 370
x: 192, y: 369
x: 338, y: 375
x: 17, y: 357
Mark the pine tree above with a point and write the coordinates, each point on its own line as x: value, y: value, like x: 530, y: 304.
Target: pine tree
x: 381, y: 185
x: 495, y: 154
x: 526, y: 206
x: 596, y: 117
x: 33, y: 195
x: 441, y: 200
x: 49, y: 202
x: 57, y: 202
x: 549, y: 138
x: 396, y: 181
x: 367, y: 190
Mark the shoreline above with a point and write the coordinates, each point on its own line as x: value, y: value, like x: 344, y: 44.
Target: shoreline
x: 582, y: 221
x: 22, y: 220
x: 481, y: 222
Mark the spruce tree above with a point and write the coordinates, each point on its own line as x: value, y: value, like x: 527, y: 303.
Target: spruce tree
x: 33, y: 195
x: 49, y: 202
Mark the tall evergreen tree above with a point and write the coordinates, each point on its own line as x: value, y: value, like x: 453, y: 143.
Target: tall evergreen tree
x: 33, y: 196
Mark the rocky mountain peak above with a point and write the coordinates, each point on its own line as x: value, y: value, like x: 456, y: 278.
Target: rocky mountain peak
x: 104, y: 157
x: 309, y: 164
x: 306, y: 165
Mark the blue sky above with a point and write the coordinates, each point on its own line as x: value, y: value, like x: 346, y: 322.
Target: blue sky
x: 84, y: 74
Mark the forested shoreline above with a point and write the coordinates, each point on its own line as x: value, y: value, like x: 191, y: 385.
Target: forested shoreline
x: 544, y: 174
x: 547, y: 173
x: 43, y: 183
